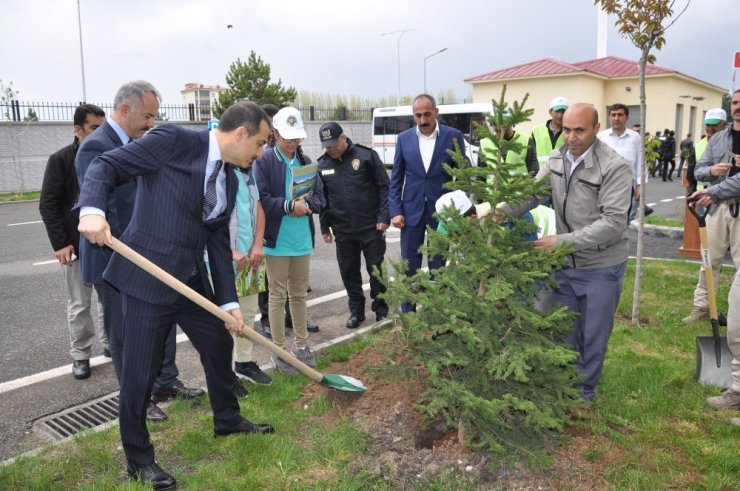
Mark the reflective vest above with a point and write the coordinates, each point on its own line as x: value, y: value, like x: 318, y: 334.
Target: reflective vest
x: 544, y: 218
x: 699, y: 149
x: 541, y: 135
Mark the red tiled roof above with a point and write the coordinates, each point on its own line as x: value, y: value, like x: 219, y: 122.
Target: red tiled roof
x: 611, y: 66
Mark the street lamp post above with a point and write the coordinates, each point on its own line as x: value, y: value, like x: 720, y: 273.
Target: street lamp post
x: 425, y: 66
x: 82, y: 57
x: 400, y: 33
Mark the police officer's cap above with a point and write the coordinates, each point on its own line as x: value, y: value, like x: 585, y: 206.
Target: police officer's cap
x: 329, y: 134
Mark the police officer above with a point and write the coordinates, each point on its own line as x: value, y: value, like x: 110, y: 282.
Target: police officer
x: 356, y: 214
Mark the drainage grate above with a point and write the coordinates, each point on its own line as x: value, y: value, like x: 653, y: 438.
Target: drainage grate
x: 81, y: 418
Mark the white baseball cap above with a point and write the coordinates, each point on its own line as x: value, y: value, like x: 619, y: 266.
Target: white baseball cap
x: 715, y: 116
x: 456, y: 199
x: 559, y: 103
x: 289, y: 123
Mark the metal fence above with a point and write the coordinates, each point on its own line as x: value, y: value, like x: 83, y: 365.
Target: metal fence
x: 64, y: 111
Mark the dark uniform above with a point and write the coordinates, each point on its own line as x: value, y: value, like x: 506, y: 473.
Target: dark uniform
x: 356, y: 191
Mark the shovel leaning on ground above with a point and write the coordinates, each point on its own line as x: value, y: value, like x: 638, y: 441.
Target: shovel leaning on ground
x: 712, y: 353
x: 339, y: 382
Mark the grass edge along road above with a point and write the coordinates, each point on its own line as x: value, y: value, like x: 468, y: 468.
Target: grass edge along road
x: 649, y: 428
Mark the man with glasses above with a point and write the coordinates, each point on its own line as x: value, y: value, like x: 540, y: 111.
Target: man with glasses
x: 418, y: 178
x: 356, y: 214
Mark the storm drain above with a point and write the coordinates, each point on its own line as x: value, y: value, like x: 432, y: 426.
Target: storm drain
x: 80, y: 418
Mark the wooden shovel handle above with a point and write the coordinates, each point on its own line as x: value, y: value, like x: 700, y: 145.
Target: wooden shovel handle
x: 214, y: 309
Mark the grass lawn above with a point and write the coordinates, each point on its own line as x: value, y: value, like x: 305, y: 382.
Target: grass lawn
x: 26, y: 196
x: 649, y: 428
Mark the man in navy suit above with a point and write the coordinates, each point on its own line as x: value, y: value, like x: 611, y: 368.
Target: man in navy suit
x: 135, y: 108
x: 417, y: 180
x: 183, y: 203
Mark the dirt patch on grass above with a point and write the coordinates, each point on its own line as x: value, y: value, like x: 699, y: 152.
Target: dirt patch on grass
x: 405, y: 452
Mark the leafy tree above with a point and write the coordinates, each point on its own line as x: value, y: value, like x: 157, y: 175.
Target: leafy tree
x: 497, y: 369
x: 644, y: 22
x: 7, y: 95
x: 251, y: 81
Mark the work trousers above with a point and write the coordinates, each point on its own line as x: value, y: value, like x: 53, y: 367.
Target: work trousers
x: 288, y: 278
x: 146, y: 327
x: 723, y: 231
x: 594, y: 295
x: 349, y: 257
x: 79, y: 314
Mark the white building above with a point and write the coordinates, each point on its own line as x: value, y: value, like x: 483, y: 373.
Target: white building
x: 201, y: 98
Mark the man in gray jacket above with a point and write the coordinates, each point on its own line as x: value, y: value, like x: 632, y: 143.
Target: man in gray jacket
x: 719, y: 165
x: 590, y: 187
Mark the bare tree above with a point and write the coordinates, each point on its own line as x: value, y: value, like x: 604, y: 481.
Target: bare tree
x: 644, y: 22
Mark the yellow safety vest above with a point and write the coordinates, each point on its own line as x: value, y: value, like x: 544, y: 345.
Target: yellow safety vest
x: 541, y: 135
x: 700, y: 147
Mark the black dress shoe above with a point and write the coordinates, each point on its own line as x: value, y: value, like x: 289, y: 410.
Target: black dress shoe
x: 154, y: 413
x: 244, y: 426
x: 178, y: 389
x: 106, y: 353
x: 152, y: 474
x: 81, y: 369
x: 354, y: 321
x: 379, y: 316
x: 312, y: 327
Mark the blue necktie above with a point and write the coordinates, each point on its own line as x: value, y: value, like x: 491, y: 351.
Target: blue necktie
x: 210, y: 199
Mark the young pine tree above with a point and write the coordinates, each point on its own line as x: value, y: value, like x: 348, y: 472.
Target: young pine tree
x: 494, y: 365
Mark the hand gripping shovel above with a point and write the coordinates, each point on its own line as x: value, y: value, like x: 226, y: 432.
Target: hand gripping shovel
x: 339, y: 382
x: 710, y: 351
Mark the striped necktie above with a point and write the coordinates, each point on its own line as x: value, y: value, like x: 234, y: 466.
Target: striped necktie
x: 210, y: 199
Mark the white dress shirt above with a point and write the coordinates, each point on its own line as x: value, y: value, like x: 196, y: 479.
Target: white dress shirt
x: 426, y: 145
x: 628, y: 146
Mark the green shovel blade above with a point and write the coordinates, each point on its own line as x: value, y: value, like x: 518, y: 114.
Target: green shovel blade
x: 343, y: 382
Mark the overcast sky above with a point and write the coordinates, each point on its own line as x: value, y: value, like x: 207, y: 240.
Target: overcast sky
x: 329, y: 46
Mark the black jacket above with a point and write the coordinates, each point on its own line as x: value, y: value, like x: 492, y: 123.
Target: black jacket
x: 356, y: 191
x: 58, y: 195
x: 668, y: 148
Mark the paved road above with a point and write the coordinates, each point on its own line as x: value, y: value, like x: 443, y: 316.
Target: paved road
x: 35, y: 378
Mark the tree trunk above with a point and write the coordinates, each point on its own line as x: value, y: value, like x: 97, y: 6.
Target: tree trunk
x: 640, y: 204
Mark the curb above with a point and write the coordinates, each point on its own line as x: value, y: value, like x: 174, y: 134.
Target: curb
x: 658, y: 230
